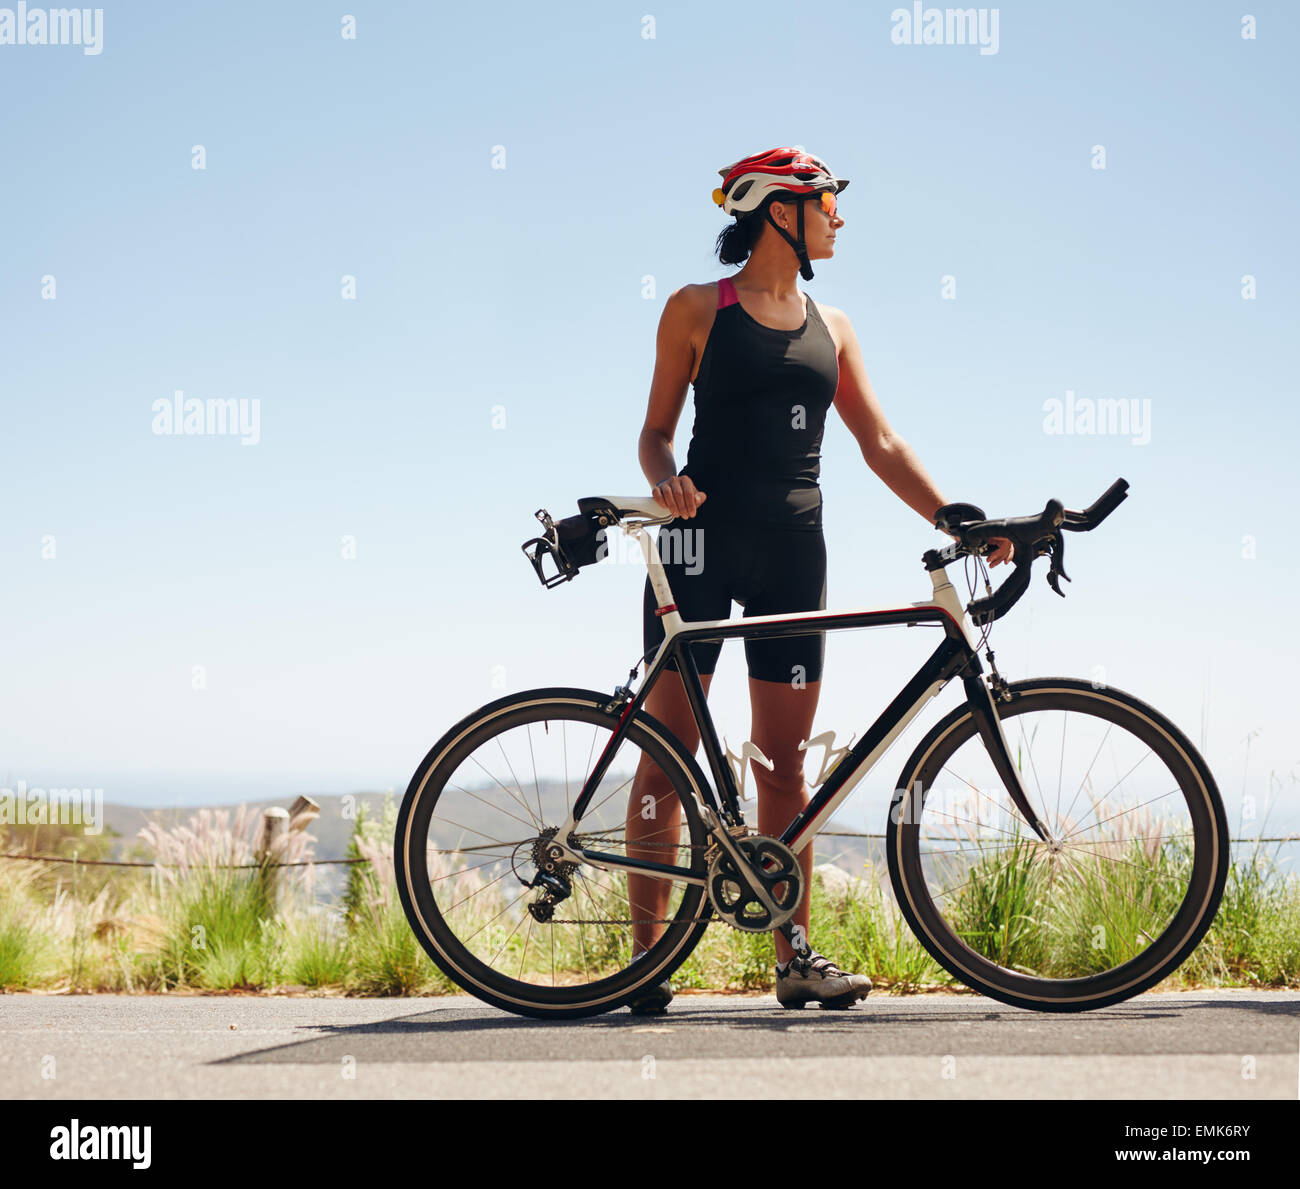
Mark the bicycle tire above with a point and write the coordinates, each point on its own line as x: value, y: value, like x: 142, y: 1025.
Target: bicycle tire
x: 945, y: 930
x: 429, y: 919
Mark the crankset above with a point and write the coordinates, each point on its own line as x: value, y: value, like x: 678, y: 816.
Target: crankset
x: 770, y: 863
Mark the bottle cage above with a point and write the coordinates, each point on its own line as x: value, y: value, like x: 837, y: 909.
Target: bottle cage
x: 571, y: 543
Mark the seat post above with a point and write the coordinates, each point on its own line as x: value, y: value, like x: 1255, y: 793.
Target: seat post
x: 663, y: 593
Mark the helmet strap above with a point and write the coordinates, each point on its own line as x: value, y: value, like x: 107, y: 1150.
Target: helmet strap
x: 800, y: 248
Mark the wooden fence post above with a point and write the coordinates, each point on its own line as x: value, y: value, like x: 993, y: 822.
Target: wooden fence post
x: 275, y: 825
x: 302, y: 813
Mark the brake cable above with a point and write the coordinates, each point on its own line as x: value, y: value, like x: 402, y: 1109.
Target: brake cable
x: 970, y: 590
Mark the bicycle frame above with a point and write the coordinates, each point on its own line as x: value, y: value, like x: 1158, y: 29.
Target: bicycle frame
x: 955, y: 656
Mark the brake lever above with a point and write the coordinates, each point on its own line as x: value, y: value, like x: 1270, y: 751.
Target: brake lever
x: 1057, y: 568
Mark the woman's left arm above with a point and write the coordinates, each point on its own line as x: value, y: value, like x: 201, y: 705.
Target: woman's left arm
x: 885, y: 452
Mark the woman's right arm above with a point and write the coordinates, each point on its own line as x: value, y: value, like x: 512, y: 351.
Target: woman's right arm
x: 674, y: 363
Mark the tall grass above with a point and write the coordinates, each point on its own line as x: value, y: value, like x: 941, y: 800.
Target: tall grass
x: 24, y: 935
x: 386, y: 958
x: 219, y: 914
x: 1088, y: 908
x: 192, y: 922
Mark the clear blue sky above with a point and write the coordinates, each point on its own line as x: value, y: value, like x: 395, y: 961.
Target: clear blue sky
x: 521, y: 289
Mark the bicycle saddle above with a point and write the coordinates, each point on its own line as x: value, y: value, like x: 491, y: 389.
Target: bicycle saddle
x: 642, y: 505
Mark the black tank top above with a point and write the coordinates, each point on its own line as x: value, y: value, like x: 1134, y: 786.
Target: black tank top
x: 761, y: 397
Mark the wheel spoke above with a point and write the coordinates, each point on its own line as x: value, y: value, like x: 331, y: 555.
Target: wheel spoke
x: 1126, y: 812
x: 472, y: 850
x: 490, y: 805
x: 505, y: 788
x: 1033, y: 767
x: 593, y: 809
x: 536, y: 786
x: 492, y: 918
x: 471, y: 830
x: 1060, y: 771
x: 1100, y: 745
x: 464, y: 871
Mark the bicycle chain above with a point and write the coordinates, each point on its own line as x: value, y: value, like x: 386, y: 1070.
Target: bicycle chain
x: 693, y: 846
x: 606, y: 921
x: 654, y: 920
x: 663, y: 845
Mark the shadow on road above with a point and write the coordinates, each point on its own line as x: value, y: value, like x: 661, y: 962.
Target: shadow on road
x: 887, y: 1026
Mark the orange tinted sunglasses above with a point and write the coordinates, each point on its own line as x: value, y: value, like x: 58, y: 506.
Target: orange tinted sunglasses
x: 828, y: 203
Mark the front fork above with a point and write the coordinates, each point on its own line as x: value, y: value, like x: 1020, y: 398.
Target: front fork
x: 983, y: 704
x: 984, y: 709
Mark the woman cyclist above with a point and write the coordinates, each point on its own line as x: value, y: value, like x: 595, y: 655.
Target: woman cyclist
x: 766, y: 362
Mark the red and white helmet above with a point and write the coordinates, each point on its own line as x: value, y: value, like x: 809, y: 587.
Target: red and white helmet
x: 748, y: 183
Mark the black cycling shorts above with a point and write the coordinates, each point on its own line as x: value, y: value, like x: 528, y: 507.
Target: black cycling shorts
x: 767, y: 570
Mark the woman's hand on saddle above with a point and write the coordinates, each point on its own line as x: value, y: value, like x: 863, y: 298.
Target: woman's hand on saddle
x: 677, y: 493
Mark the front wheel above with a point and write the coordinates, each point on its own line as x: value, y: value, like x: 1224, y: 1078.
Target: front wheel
x: 1117, y: 897
x: 495, y: 915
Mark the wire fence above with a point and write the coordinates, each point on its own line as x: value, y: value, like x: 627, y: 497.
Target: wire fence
x: 176, y: 866
x: 345, y: 862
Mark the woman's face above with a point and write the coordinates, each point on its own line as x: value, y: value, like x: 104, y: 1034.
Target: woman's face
x: 819, y: 227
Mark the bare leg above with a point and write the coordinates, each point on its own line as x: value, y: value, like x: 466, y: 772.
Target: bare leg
x: 653, y: 813
x: 782, y: 719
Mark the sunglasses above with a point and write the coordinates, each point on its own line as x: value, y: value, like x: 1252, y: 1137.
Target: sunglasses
x: 826, y: 198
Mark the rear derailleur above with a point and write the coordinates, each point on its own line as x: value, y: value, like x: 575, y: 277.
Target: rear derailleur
x: 553, y: 878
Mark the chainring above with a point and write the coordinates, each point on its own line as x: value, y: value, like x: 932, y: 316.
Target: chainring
x: 773, y: 864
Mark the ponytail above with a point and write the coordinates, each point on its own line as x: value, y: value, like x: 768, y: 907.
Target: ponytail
x: 738, y: 239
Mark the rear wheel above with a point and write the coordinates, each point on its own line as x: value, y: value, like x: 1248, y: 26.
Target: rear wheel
x: 471, y: 837
x: 1118, y: 896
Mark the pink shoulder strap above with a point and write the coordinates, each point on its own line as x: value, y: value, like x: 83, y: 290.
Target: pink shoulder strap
x: 726, y: 293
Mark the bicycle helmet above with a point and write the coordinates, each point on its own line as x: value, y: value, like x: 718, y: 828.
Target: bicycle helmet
x: 777, y: 173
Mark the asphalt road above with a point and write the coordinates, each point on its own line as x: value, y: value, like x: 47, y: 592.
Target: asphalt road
x: 1216, y: 1044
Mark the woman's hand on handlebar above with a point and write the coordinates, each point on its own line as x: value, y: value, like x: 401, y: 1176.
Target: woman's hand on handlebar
x: 677, y: 493
x: 1003, y: 550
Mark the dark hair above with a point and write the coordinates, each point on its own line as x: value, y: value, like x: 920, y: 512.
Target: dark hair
x: 737, y: 239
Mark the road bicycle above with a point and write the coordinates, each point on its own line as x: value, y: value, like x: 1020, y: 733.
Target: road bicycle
x: 1056, y: 844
